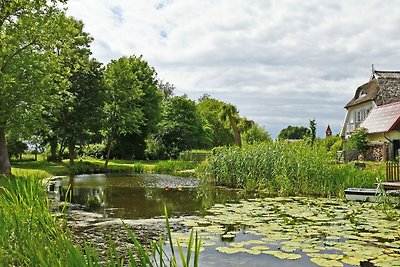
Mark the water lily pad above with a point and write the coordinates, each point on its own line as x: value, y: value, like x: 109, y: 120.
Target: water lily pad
x: 288, y: 249
x: 230, y: 250
x: 326, y: 262
x: 283, y: 255
x: 261, y: 248
x: 352, y: 260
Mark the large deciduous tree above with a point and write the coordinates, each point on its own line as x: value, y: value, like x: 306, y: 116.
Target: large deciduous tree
x: 182, y: 127
x: 131, y: 101
x: 256, y: 134
x: 29, y: 31
x: 79, y: 114
x: 294, y: 132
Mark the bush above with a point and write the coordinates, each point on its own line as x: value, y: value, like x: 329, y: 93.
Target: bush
x: 97, y: 151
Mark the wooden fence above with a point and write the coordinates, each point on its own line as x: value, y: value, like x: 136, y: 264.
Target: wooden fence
x: 392, y: 171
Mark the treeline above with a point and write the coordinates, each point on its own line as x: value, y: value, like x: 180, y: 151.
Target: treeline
x: 56, y: 96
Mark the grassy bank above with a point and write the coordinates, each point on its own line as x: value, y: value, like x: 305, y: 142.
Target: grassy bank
x: 43, y: 169
x: 286, y: 168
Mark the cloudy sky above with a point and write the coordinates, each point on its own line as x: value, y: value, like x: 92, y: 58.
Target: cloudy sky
x: 281, y: 62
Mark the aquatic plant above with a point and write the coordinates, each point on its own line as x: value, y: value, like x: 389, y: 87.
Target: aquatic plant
x: 285, y: 168
x: 321, y: 231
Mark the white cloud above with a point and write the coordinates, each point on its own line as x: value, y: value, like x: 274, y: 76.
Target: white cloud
x: 280, y: 62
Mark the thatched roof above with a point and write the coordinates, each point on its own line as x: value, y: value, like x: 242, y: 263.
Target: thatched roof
x: 383, y: 88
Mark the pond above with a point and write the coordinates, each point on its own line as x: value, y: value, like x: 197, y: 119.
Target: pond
x: 143, y: 195
x: 240, y: 230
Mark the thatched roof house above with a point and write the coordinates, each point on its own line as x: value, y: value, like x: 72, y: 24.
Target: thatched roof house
x: 380, y: 95
x: 383, y: 88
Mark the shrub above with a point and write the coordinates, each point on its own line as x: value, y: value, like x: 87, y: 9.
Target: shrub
x: 95, y: 151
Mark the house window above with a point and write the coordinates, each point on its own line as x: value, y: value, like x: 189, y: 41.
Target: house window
x: 360, y: 115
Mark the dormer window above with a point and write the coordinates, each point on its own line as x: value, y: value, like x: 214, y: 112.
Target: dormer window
x: 363, y: 93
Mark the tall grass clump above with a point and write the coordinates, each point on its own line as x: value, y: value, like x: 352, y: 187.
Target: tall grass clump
x: 29, y: 234
x: 287, y: 168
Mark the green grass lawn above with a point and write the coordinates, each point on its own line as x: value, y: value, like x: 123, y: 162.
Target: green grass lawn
x: 43, y: 169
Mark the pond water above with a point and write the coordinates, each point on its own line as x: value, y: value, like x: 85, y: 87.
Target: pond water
x: 143, y: 195
x: 243, y: 230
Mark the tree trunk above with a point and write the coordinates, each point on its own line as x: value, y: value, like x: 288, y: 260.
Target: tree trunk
x: 53, y: 149
x: 5, y: 166
x: 109, y: 143
x: 71, y: 148
x: 36, y: 151
x: 236, y: 132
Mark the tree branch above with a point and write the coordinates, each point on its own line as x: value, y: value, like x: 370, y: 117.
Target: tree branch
x: 18, y: 51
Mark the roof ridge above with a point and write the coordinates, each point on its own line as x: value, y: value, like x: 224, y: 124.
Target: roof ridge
x: 387, y: 71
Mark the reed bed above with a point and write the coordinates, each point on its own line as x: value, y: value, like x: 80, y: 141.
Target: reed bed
x: 285, y: 168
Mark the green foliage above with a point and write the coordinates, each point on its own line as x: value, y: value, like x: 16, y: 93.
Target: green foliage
x: 194, y: 155
x: 294, y: 132
x: 256, y: 134
x: 211, y: 109
x: 181, y: 127
x: 331, y: 143
x: 16, y: 147
x: 132, y: 98
x: 313, y: 130
x: 154, y: 148
x: 97, y: 151
x: 30, y: 235
x: 29, y: 68
x: 172, y: 166
x: 285, y: 168
x: 358, y: 140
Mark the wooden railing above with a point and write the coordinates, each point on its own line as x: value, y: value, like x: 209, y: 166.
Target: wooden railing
x: 392, y: 171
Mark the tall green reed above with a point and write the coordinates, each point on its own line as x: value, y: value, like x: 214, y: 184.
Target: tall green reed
x: 285, y: 168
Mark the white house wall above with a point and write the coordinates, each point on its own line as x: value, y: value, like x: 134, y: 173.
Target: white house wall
x: 350, y: 122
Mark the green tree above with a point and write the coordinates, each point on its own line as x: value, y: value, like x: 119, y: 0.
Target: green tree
x: 358, y: 140
x: 256, y: 134
x: 182, y: 127
x: 313, y: 130
x: 29, y: 31
x: 229, y: 112
x: 129, y: 81
x: 16, y: 147
x: 210, y: 109
x: 133, y: 145
x: 81, y: 119
x: 73, y: 120
x: 294, y: 132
